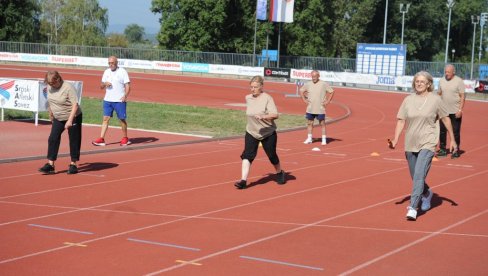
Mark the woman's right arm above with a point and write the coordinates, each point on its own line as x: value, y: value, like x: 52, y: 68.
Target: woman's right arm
x: 398, y: 130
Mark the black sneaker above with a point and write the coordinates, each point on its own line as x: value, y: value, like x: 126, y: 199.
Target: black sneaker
x: 72, y: 169
x: 442, y: 152
x: 47, y: 169
x: 280, y: 177
x: 455, y: 155
x: 241, y: 184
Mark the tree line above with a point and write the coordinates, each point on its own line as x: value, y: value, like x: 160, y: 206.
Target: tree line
x: 321, y: 28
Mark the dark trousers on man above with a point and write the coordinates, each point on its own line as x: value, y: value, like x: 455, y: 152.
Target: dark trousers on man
x: 456, y: 128
x: 74, y: 134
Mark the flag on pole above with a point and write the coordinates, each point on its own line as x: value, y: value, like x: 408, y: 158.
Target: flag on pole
x: 281, y: 10
x: 261, y: 10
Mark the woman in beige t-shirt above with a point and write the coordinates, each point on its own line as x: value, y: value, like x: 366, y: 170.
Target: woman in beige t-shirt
x: 65, y: 114
x: 261, y: 112
x: 421, y: 111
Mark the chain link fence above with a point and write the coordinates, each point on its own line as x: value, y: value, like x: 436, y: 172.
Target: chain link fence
x: 297, y: 62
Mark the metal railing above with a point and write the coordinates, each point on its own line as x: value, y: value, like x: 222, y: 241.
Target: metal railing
x: 296, y: 62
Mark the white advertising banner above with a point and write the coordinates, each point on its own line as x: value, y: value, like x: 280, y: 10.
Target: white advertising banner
x: 135, y: 63
x: 9, y: 56
x: 28, y: 95
x: 167, y: 65
x: 78, y: 85
x: 223, y: 69
x: 250, y: 71
x: 19, y: 94
x: 64, y: 60
x: 335, y: 77
x: 91, y: 61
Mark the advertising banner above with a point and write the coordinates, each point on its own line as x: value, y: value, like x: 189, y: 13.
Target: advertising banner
x: 19, y: 94
x: 9, y: 56
x: 276, y: 72
x: 250, y: 71
x: 195, y: 67
x: 167, y: 66
x: 223, y: 69
x: 28, y: 95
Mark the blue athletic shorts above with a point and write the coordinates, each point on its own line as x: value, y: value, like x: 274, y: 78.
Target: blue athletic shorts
x: 311, y: 117
x: 119, y: 107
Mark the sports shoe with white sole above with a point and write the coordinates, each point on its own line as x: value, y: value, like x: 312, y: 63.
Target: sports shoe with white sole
x: 324, y: 142
x: 308, y: 141
x: 99, y: 142
x: 411, y: 213
x: 125, y: 141
x: 426, y: 201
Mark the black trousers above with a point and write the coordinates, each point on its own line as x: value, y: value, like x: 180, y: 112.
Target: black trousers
x: 251, y: 145
x: 456, y: 128
x: 74, y: 134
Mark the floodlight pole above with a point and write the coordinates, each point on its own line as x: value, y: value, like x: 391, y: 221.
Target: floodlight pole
x: 450, y: 4
x: 474, y: 20
x: 386, y: 19
x: 403, y: 10
x: 482, y: 25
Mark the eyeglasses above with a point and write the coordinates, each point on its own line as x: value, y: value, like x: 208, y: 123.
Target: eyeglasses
x: 421, y: 82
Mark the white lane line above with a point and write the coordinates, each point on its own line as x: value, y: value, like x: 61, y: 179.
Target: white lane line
x: 164, y: 244
x: 459, y: 165
x: 401, y: 248
x: 302, y: 227
x: 243, y: 220
x: 60, y: 229
x: 280, y: 262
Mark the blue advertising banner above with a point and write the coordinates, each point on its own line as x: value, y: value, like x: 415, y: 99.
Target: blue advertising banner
x: 195, y: 67
x: 381, y: 59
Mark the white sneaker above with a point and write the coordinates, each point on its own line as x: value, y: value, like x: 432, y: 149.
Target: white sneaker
x: 324, y: 142
x: 411, y: 213
x: 308, y: 141
x: 426, y: 201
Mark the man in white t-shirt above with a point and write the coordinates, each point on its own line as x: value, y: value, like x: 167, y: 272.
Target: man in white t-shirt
x: 116, y: 83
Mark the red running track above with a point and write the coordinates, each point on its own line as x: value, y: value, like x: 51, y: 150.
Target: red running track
x: 174, y: 209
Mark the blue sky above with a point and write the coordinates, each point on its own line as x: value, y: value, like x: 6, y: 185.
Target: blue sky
x: 124, y: 12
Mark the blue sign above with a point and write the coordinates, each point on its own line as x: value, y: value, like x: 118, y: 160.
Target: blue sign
x: 483, y: 72
x: 381, y: 59
x: 271, y: 55
x: 268, y: 55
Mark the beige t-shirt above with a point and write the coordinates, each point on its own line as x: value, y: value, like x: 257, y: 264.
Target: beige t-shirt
x: 316, y: 96
x: 422, y: 118
x: 261, y: 105
x: 451, y: 93
x: 61, y: 101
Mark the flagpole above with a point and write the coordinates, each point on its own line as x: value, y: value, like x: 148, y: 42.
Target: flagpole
x: 255, y: 29
x: 267, y: 44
